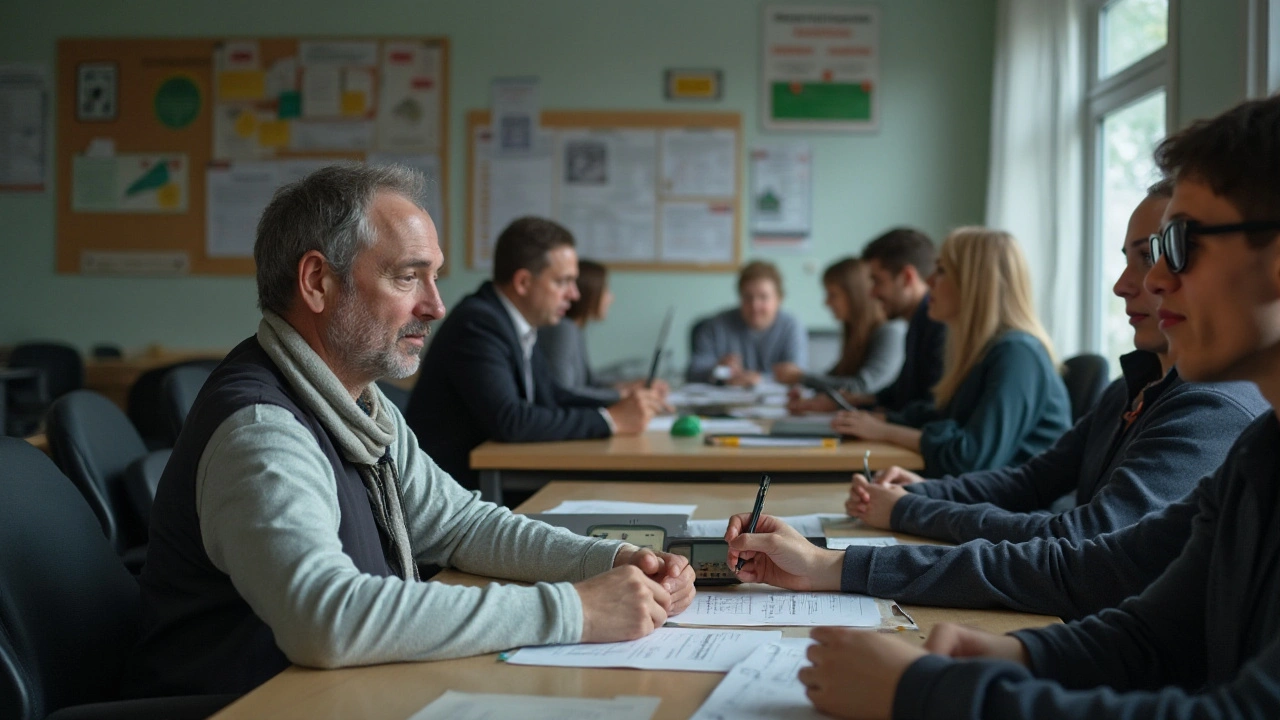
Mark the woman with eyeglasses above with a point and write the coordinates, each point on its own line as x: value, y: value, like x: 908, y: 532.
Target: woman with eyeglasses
x: 872, y: 348
x: 1001, y: 399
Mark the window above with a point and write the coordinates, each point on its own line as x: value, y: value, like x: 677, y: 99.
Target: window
x: 1128, y: 96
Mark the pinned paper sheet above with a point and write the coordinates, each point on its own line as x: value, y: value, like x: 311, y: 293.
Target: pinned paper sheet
x: 241, y: 85
x: 752, y: 606
x: 667, y: 648
x: 454, y: 705
x: 764, y: 686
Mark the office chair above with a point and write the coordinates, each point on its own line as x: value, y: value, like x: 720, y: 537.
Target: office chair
x: 63, y: 371
x: 1086, y: 377
x: 68, y: 608
x: 179, y: 388
x: 149, y: 408
x: 93, y: 442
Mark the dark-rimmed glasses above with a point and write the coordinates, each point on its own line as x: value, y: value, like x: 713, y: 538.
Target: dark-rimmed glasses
x: 1172, y: 241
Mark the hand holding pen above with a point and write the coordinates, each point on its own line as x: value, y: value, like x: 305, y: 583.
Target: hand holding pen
x: 755, y: 512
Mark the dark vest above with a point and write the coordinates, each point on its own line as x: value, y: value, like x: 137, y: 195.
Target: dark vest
x: 199, y: 636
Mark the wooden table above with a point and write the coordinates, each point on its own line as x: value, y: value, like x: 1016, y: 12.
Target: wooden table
x: 399, y: 690
x: 660, y: 456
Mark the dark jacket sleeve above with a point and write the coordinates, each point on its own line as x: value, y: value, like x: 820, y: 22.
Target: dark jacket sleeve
x: 703, y: 355
x: 1007, y: 407
x: 1132, y: 662
x: 1049, y: 577
x: 482, y: 363
x: 1186, y: 437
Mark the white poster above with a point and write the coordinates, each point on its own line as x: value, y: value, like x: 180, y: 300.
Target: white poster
x: 409, y: 100
x: 508, y: 188
x: 821, y: 67
x: 24, y: 108
x: 697, y: 232
x: 781, y: 186
x: 234, y: 200
x: 699, y: 163
x: 608, y: 196
x: 514, y: 115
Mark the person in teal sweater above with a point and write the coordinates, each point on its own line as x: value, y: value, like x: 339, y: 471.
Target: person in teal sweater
x: 1001, y: 399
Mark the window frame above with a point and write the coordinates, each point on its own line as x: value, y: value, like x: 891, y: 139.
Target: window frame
x: 1101, y: 97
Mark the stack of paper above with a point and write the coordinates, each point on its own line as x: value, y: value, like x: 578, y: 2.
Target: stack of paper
x: 760, y: 605
x: 764, y: 686
x: 666, y: 648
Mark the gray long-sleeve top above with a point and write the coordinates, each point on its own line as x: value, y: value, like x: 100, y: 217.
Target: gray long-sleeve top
x: 784, y: 341
x: 1202, y: 641
x: 886, y: 351
x: 268, y: 518
x: 564, y: 345
x: 1117, y: 473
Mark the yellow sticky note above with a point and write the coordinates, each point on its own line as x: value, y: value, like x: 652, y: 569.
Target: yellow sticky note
x: 169, y: 196
x: 273, y: 133
x: 246, y: 124
x: 354, y: 102
x: 242, y: 85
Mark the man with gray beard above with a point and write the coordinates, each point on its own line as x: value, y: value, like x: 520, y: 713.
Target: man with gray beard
x: 297, y: 506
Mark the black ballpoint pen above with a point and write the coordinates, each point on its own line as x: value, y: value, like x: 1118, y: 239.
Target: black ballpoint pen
x: 755, y: 512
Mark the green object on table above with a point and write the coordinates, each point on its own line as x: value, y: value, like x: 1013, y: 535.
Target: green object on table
x: 686, y: 426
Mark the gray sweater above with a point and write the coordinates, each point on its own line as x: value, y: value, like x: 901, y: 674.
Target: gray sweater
x: 1202, y: 641
x: 564, y: 345
x: 886, y: 351
x: 719, y: 335
x: 1117, y: 474
x: 268, y: 519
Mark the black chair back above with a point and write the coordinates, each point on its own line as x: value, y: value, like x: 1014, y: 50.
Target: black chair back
x: 93, y: 442
x: 62, y: 365
x: 180, y: 387
x: 148, y: 404
x: 1086, y: 377
x: 68, y: 607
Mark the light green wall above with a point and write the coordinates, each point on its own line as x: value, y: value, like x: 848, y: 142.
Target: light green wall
x: 1212, y: 57
x: 927, y: 165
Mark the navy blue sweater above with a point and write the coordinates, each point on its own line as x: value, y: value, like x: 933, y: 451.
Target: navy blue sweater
x: 1118, y: 474
x: 1010, y: 406
x: 1202, y: 641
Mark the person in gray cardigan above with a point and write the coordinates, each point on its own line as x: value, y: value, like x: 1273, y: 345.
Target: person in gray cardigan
x: 296, y: 509
x: 1151, y: 436
x: 872, y: 349
x: 1203, y: 640
x: 564, y: 345
x: 742, y: 345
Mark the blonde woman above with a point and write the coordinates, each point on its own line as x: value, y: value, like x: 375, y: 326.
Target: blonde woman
x: 1001, y: 399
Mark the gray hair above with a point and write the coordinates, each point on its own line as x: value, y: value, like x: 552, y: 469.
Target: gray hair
x: 327, y: 211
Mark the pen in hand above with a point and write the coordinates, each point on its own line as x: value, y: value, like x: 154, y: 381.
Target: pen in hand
x: 755, y: 513
x: 866, y: 465
x: 835, y: 395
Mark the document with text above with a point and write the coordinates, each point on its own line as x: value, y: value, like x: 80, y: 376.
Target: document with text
x: 454, y: 705
x: 667, y: 648
x: 752, y: 605
x: 763, y: 686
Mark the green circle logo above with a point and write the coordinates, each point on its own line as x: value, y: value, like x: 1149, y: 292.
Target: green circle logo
x: 177, y: 102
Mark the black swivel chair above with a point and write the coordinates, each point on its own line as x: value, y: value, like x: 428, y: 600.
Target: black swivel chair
x: 179, y: 387
x: 1086, y: 377
x: 68, y: 608
x: 149, y: 406
x: 63, y: 371
x: 94, y: 443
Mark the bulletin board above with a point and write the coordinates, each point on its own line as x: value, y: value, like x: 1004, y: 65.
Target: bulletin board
x: 654, y: 191
x: 169, y: 149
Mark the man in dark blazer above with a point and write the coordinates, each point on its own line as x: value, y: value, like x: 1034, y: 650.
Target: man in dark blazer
x: 482, y: 378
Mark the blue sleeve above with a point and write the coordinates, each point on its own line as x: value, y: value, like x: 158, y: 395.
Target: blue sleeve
x: 1050, y: 577
x: 796, y: 349
x: 1008, y: 406
x: 1186, y: 437
x: 937, y: 687
x: 915, y: 414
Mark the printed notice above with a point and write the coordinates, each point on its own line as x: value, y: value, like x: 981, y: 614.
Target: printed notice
x: 697, y: 232
x: 699, y: 163
x: 608, y: 196
x: 764, y: 686
x: 750, y: 606
x: 666, y: 648
x: 454, y: 705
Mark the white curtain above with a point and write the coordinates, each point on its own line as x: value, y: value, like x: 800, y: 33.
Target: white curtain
x: 1035, y: 188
